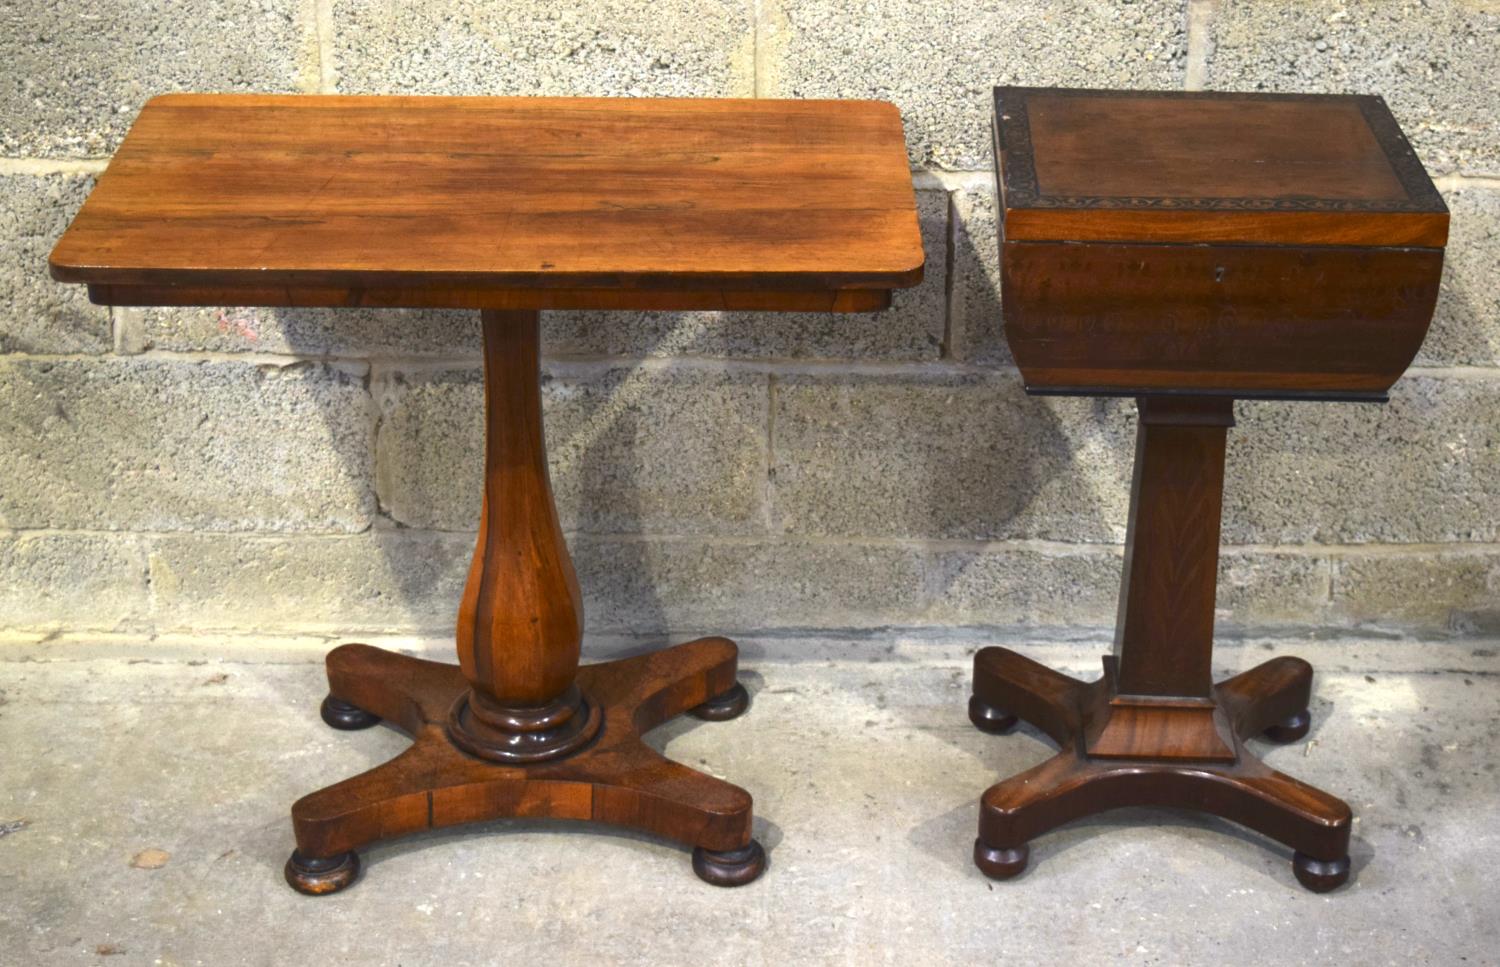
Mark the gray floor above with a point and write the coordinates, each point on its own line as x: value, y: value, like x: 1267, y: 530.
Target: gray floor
x: 865, y: 773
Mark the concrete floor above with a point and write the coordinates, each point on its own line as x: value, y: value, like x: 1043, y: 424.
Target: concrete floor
x: 865, y: 773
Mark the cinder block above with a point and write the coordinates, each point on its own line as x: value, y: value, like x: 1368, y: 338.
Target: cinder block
x: 939, y: 59
x: 685, y: 587
x: 946, y: 457
x: 647, y: 450
x: 386, y: 581
x: 409, y: 582
x: 159, y: 445
x: 911, y: 329
x: 361, y: 333
x: 1026, y: 588
x: 1267, y: 590
x: 1427, y: 591
x: 1433, y: 62
x: 978, y: 330
x: 1078, y: 588
x: 1425, y: 467
x: 38, y: 315
x: 635, y: 48
x: 971, y: 457
x: 74, y: 582
x: 77, y: 74
x: 1466, y: 327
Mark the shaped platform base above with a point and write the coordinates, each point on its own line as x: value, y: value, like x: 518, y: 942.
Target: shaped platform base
x: 1118, y: 750
x: 615, y: 778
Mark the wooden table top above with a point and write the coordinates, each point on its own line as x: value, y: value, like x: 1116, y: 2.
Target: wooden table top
x: 1175, y: 166
x: 495, y: 202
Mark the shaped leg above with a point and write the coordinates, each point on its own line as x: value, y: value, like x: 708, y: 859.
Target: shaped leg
x: 407, y: 692
x: 1270, y: 699
x: 1010, y: 686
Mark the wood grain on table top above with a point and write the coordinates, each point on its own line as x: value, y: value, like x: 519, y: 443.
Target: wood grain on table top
x: 246, y: 191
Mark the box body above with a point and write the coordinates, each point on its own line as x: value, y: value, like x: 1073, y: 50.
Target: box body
x: 1254, y: 245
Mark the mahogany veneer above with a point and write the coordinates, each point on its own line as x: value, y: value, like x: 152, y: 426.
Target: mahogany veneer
x: 1256, y: 245
x: 510, y: 206
x: 1187, y: 249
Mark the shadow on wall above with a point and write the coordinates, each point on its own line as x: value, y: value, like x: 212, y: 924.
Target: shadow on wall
x: 420, y: 565
x: 1464, y: 330
x: 861, y: 458
x: 590, y: 455
x: 1052, y: 469
x: 1040, y: 470
x: 978, y: 461
x: 427, y: 383
x: 38, y: 315
x: 949, y: 457
x: 609, y: 426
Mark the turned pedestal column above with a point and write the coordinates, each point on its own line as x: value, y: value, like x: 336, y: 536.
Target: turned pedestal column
x: 520, y: 622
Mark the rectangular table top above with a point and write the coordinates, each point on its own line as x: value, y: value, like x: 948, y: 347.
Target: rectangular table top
x: 1201, y: 166
x: 288, y: 199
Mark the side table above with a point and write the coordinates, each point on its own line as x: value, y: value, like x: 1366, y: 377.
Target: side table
x: 1189, y: 249
x: 509, y: 206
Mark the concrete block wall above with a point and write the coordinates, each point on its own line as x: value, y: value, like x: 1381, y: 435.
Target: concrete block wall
x: 250, y: 471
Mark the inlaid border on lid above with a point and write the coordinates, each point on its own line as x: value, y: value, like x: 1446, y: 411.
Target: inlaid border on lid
x: 1146, y: 217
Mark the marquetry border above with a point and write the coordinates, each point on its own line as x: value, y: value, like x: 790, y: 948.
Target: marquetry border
x: 1017, y: 163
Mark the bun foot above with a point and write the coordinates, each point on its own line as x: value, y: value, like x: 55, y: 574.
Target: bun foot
x: 1320, y: 876
x: 316, y: 877
x: 734, y: 867
x: 1290, y: 729
x: 1000, y: 864
x: 725, y: 706
x: 987, y: 718
x: 345, y: 717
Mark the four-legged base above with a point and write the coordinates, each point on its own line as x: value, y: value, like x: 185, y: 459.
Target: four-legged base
x: 1118, y: 750
x: 615, y: 779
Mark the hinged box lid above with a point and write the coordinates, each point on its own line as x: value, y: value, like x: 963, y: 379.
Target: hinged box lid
x: 1205, y: 167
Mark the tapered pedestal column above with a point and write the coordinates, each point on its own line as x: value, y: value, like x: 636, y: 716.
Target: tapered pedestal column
x: 517, y: 728
x: 1156, y: 730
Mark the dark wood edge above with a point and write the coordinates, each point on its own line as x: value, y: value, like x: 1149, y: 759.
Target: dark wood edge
x: 999, y: 168
x: 1015, y: 153
x: 63, y: 271
x: 432, y: 297
x: 1411, y: 231
x: 1245, y: 394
